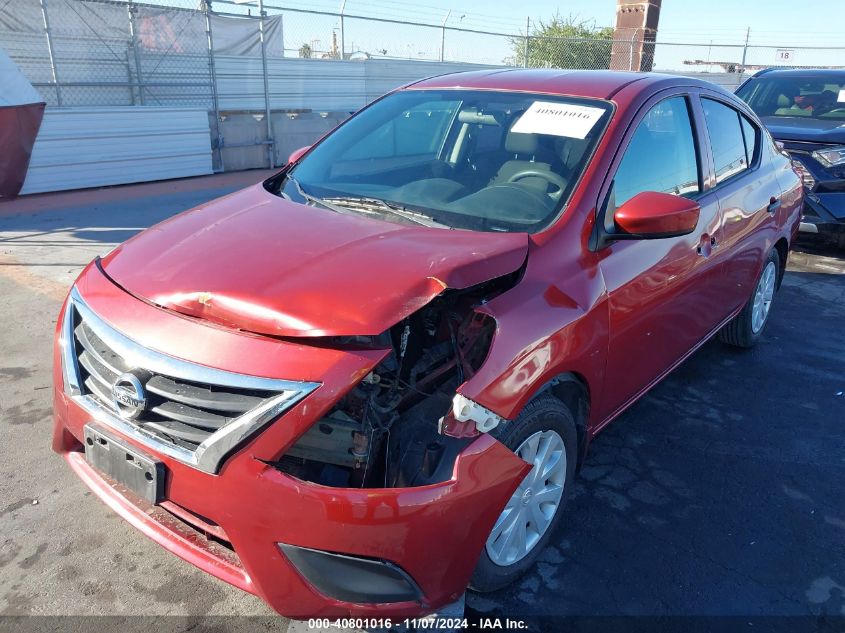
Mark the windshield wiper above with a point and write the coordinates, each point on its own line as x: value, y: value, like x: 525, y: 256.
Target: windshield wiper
x: 363, y: 204
x: 315, y: 200
x: 366, y: 204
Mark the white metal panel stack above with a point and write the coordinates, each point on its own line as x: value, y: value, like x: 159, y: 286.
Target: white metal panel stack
x: 383, y: 75
x: 92, y: 147
x: 294, y: 84
x: 322, y: 85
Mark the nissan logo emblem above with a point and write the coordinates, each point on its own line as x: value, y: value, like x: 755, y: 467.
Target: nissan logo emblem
x: 128, y: 396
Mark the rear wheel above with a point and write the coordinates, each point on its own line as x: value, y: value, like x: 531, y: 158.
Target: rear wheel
x: 544, y: 436
x: 747, y: 327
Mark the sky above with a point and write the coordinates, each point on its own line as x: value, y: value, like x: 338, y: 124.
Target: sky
x: 700, y: 30
x: 711, y: 24
x: 775, y: 22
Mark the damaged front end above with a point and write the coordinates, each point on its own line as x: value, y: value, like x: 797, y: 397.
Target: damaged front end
x: 404, y: 423
x: 359, y: 474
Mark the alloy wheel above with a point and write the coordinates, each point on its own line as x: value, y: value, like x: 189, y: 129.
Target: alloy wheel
x: 532, y: 507
x: 763, y: 297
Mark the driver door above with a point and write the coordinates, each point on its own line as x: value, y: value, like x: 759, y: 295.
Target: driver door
x: 663, y: 294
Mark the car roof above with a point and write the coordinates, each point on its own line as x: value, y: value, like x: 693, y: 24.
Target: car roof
x: 821, y: 73
x: 597, y: 84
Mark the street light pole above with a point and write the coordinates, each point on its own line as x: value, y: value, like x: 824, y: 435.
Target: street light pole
x: 744, y: 52
x: 442, y: 34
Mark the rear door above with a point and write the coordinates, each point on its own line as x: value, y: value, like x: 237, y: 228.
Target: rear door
x: 746, y: 184
x: 664, y: 293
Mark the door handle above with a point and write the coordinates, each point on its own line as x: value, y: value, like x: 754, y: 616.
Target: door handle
x: 774, y: 204
x: 706, y: 245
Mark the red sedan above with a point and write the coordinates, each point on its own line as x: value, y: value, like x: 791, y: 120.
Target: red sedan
x: 367, y: 383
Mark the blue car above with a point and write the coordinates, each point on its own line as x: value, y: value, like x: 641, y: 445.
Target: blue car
x: 804, y: 110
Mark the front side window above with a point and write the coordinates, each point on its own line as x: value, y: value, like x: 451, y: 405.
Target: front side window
x: 727, y: 140
x: 661, y: 155
x: 471, y: 159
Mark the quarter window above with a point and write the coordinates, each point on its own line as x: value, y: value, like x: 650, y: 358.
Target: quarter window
x: 661, y: 155
x: 730, y: 153
x: 751, y: 134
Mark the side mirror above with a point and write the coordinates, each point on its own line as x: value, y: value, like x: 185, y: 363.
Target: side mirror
x: 296, y: 154
x: 652, y: 215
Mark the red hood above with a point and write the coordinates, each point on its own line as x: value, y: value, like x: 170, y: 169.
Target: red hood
x: 258, y: 262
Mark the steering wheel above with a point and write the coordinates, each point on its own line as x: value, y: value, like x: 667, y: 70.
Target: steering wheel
x: 550, y: 177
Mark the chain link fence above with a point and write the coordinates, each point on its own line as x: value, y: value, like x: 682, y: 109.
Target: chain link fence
x: 108, y: 52
x: 258, y: 60
x: 131, y: 52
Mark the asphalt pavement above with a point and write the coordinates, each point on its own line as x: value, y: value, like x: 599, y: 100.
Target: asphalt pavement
x: 719, y: 493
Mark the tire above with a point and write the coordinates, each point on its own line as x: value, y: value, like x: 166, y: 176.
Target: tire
x: 541, y: 418
x: 745, y: 329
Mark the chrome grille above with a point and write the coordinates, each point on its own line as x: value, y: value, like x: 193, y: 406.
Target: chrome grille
x: 198, y: 412
x: 179, y: 411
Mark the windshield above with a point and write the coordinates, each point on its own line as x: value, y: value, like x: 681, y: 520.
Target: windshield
x: 796, y: 96
x: 480, y: 160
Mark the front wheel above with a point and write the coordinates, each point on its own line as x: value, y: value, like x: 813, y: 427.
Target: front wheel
x: 544, y: 436
x: 747, y: 327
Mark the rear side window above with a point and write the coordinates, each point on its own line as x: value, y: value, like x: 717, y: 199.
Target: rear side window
x: 730, y: 153
x: 661, y: 155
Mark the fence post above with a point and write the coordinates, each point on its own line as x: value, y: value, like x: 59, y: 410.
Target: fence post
x: 744, y: 52
x: 342, y: 34
x: 631, y: 52
x: 271, y: 145
x: 443, y: 35
x: 50, y: 51
x: 133, y: 37
x: 215, y: 101
x: 527, y: 37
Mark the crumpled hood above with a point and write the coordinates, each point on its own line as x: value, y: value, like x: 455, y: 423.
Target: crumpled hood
x: 257, y: 262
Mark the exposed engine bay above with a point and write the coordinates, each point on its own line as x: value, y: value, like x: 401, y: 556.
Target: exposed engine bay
x: 388, y: 431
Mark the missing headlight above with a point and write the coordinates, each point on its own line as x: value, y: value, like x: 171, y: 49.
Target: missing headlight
x: 384, y: 432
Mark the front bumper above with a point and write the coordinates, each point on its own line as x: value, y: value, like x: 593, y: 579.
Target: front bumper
x: 230, y: 524
x: 824, y: 214
x: 824, y: 194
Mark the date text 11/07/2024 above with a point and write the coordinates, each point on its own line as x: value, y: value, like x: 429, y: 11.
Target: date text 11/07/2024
x: 430, y: 623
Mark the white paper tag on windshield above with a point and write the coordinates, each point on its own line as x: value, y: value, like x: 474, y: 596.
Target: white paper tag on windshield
x: 558, y: 119
x: 841, y: 98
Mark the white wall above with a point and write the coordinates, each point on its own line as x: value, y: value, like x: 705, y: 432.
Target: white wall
x: 92, y: 147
